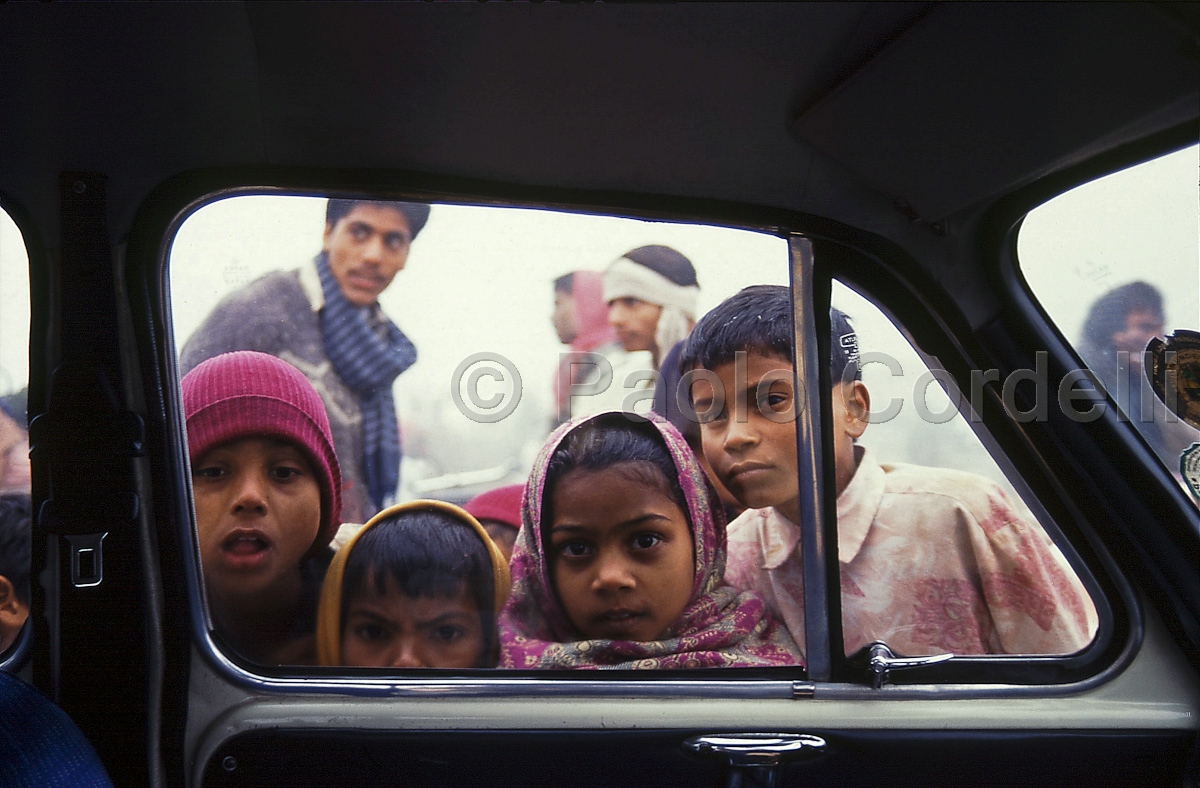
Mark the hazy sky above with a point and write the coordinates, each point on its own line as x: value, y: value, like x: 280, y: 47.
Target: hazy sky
x: 477, y: 279
x: 1139, y: 224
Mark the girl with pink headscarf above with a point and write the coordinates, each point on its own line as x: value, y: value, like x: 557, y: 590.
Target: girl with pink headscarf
x: 620, y: 560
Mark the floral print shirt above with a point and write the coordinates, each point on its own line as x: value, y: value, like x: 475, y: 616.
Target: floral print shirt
x: 932, y: 561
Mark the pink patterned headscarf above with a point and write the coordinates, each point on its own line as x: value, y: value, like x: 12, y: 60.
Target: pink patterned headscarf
x: 720, y: 627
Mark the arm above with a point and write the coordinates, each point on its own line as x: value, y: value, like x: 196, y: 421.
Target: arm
x: 246, y: 319
x: 1037, y: 603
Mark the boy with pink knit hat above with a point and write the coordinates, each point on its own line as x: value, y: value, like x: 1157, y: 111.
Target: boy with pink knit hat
x: 267, y: 488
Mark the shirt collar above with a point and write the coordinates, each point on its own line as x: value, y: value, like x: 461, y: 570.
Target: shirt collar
x: 779, y: 537
x: 858, y: 504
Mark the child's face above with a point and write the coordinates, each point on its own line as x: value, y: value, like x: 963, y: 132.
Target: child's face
x: 258, y: 506
x: 752, y: 449
x: 620, y: 555
x: 503, y: 534
x: 394, y: 630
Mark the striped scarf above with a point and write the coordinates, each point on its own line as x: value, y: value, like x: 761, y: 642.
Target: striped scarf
x: 368, y: 362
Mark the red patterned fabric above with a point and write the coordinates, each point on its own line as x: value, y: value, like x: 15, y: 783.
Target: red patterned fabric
x: 592, y: 333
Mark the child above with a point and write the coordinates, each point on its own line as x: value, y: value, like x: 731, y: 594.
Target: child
x: 620, y: 558
x: 268, y: 499
x: 15, y: 537
x: 499, y: 511
x: 932, y: 560
x: 418, y: 586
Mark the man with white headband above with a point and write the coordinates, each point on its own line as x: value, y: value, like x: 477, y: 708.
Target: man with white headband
x: 651, y: 294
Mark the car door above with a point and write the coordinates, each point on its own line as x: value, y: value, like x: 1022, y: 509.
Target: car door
x: 123, y: 641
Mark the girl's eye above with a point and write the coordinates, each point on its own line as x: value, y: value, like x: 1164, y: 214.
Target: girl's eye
x: 208, y: 472
x: 574, y: 549
x: 448, y: 633
x: 777, y: 400
x: 646, y: 541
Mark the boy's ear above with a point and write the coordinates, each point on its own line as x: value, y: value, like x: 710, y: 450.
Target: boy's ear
x: 858, y: 407
x: 12, y: 611
x: 8, y: 594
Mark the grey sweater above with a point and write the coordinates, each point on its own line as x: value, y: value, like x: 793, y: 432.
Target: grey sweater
x: 273, y: 314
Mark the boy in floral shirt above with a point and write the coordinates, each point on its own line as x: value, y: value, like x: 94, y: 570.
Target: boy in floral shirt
x: 932, y: 560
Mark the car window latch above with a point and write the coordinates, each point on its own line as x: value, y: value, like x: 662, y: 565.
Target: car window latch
x: 882, y: 661
x: 756, y: 759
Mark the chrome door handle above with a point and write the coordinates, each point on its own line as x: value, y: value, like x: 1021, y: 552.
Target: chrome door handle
x: 883, y: 661
x: 756, y: 759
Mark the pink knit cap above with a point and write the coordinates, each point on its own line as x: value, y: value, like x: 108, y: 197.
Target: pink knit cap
x: 253, y: 395
x: 502, y: 504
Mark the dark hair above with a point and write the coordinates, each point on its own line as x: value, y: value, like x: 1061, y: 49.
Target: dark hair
x: 843, y: 347
x: 759, y: 318
x: 666, y: 261
x: 16, y: 517
x: 609, y: 440
x: 417, y: 213
x: 427, y: 553
x: 756, y: 318
x: 565, y: 284
x: 1109, y: 312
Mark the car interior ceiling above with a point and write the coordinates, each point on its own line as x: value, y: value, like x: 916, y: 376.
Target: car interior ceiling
x: 827, y: 109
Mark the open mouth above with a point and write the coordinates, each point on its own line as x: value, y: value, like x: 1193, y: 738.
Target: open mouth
x: 245, y: 548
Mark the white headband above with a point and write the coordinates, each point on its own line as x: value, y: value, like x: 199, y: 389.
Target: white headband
x: 628, y: 279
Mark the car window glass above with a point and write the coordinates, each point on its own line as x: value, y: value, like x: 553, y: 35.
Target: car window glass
x: 1114, y: 263
x: 14, y: 436
x: 450, y: 357
x: 938, y: 551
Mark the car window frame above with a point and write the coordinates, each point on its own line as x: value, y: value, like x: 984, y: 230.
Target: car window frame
x: 1112, y: 599
x: 1011, y: 214
x: 178, y: 198
x: 1002, y: 225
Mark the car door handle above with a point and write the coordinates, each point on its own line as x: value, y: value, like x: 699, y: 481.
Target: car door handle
x: 756, y: 759
x: 883, y: 661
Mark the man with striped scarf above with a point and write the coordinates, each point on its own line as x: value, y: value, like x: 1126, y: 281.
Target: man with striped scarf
x: 324, y: 318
